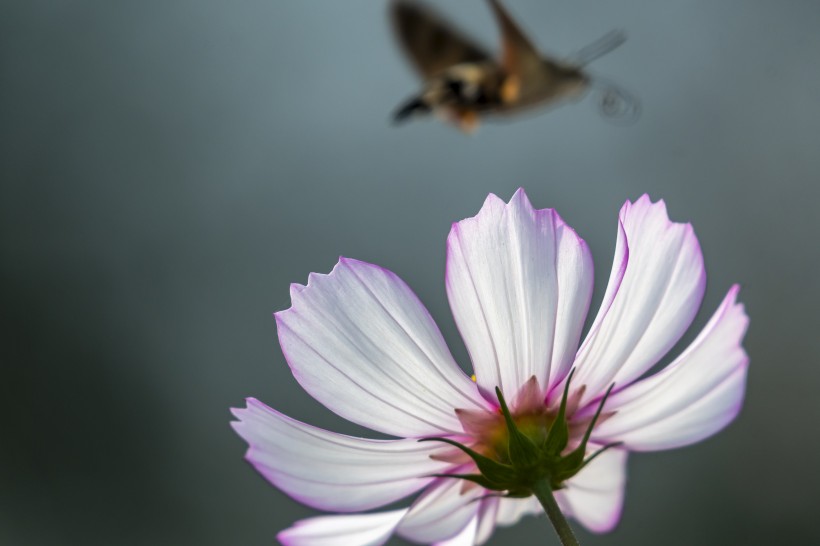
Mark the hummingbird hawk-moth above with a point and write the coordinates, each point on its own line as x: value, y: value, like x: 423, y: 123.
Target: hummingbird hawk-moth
x: 463, y: 82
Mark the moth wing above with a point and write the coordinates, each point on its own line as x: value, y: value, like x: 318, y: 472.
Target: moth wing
x: 518, y: 53
x: 528, y: 71
x: 430, y: 42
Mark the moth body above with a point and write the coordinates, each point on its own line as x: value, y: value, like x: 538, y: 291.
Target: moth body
x: 463, y: 83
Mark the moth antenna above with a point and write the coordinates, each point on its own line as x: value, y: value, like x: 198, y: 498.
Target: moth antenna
x: 599, y: 48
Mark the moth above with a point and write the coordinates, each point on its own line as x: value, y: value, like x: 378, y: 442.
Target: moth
x: 463, y: 82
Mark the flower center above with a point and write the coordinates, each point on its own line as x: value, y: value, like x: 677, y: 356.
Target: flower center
x: 514, y: 453
x: 494, y: 440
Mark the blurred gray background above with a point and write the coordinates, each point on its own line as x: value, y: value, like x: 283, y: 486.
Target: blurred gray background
x: 169, y: 167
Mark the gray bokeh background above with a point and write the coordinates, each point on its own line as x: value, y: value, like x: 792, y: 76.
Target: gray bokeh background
x: 168, y: 168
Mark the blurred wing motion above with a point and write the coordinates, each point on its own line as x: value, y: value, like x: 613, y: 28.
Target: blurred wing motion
x: 462, y: 81
x: 520, y: 60
x: 431, y: 44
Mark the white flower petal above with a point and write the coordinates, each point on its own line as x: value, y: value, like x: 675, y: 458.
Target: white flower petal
x: 519, y: 282
x: 486, y: 520
x: 616, y: 276
x: 350, y: 530
x: 692, y: 398
x: 496, y: 511
x: 332, y: 471
x: 651, y: 306
x: 467, y: 536
x: 510, y: 511
x: 595, y: 496
x: 361, y: 343
x: 441, y: 511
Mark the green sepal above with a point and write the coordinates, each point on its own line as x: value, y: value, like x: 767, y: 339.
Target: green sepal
x: 523, y: 452
x: 518, y: 493
x: 592, y: 423
x: 591, y: 457
x: 558, y: 436
x: 530, y: 463
x: 568, y: 466
x: 475, y: 478
x: 574, y: 462
x: 492, y: 470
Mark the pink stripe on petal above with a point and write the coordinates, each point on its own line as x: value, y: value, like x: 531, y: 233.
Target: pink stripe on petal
x: 692, y: 398
x: 349, y: 530
x: 360, y: 342
x: 519, y: 281
x: 653, y: 305
x: 332, y: 471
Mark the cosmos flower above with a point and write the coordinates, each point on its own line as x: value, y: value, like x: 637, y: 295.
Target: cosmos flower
x: 519, y: 282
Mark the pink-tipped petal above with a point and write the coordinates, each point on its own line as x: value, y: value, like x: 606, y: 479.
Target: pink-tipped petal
x: 519, y: 282
x: 694, y: 397
x: 595, y: 496
x: 332, y: 471
x: 653, y: 304
x: 350, y: 530
x: 441, y: 512
x: 361, y: 343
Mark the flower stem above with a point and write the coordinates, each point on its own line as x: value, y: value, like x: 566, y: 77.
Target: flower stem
x: 543, y: 492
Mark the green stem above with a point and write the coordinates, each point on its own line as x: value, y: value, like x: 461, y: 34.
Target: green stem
x: 543, y: 493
